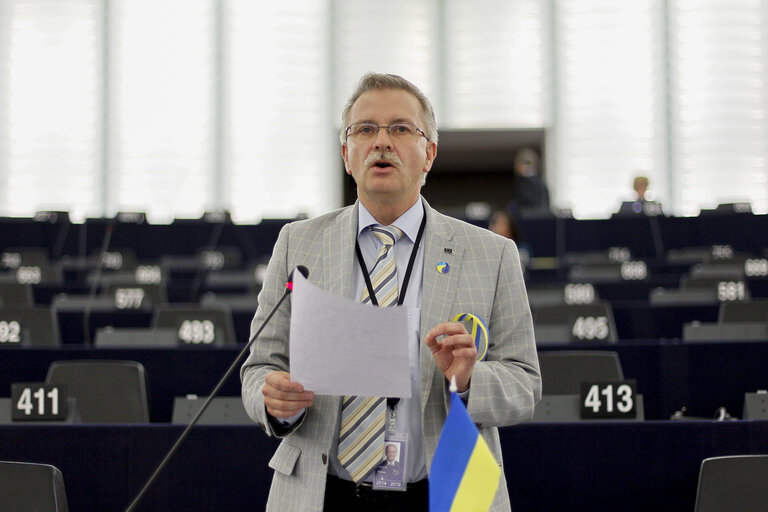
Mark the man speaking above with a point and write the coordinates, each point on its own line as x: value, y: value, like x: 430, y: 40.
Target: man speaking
x: 391, y: 249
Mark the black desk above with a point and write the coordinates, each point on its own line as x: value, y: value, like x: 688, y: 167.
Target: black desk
x: 634, y: 320
x: 699, y: 376
x: 646, y: 237
x: 170, y: 372
x: 549, y: 467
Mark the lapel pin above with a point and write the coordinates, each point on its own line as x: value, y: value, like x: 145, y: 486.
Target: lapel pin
x: 443, y: 267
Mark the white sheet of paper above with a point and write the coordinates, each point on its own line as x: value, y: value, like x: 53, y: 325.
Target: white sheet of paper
x: 341, y: 347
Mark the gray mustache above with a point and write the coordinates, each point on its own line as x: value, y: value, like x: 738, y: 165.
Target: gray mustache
x: 387, y: 156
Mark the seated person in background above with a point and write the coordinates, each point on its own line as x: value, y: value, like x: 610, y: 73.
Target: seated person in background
x: 529, y: 192
x: 641, y: 205
x: 641, y: 187
x: 504, y: 224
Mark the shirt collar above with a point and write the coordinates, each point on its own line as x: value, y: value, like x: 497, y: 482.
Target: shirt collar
x: 409, y: 222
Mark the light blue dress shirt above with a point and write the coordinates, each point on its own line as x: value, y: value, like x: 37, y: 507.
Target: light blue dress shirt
x: 408, y: 410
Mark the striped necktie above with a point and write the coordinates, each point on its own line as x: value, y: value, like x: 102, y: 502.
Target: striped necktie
x: 361, y: 436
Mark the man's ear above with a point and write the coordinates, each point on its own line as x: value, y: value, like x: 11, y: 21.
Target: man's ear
x: 431, y: 154
x: 345, y: 156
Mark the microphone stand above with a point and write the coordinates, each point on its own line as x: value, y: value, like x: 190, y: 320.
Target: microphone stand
x: 288, y: 289
x: 87, y: 338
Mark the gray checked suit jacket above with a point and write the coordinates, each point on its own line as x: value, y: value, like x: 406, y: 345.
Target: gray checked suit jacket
x: 485, y: 279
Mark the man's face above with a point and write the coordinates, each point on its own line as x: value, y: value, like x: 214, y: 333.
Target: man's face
x: 525, y: 167
x: 391, y: 453
x: 388, y: 171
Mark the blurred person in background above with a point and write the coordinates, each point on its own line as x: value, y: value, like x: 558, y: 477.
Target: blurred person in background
x: 529, y: 192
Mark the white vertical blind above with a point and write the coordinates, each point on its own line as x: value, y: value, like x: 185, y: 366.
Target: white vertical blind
x: 496, y: 65
x: 200, y: 104
x: 719, y: 103
x: 50, y: 106
x: 610, y: 102
x: 5, y: 58
x: 399, y: 36
x: 161, y: 98
x: 280, y: 149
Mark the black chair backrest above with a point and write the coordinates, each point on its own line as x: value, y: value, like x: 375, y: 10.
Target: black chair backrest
x: 562, y: 372
x: 30, y: 265
x: 31, y: 325
x: 106, y: 391
x: 196, y: 325
x: 745, y: 311
x: 33, y: 487
x: 584, y: 321
x: 16, y: 295
x: 223, y: 410
x: 734, y: 482
x: 152, y: 294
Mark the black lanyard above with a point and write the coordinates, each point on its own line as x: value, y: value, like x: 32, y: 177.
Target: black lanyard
x: 406, y: 278
x: 392, y: 402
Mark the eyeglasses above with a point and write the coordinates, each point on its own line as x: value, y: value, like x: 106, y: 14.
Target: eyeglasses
x: 364, y: 131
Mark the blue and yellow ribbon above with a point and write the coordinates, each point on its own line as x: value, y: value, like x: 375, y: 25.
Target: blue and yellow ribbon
x: 478, y: 330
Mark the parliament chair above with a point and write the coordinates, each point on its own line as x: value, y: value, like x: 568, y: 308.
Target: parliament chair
x: 148, y: 273
x: 29, y: 326
x: 596, y: 272
x: 15, y: 257
x: 6, y: 414
x: 16, y: 294
x: 755, y: 310
x: 735, y: 482
x: 736, y: 320
x: 205, y: 259
x: 755, y: 406
x: 548, y: 294
x: 638, y: 208
x: 237, y: 303
x: 80, y: 316
x: 111, y: 261
x: 677, y: 297
x: 196, y: 325
x: 30, y: 265
x: 106, y: 391
x: 732, y: 269
x: 612, y: 255
x: 150, y: 294
x: 567, y: 409
x: 575, y: 322
x: 29, y: 487
x: 244, y: 281
x: 132, y: 337
x: 688, y: 255
x: 724, y: 289
x: 705, y: 254
x: 563, y: 371
x: 223, y: 410
x: 562, y: 374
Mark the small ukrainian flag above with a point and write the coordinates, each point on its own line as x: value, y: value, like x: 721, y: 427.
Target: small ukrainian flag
x: 464, y: 475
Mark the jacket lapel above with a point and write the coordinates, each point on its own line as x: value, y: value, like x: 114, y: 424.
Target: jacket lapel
x: 438, y: 289
x: 339, y: 246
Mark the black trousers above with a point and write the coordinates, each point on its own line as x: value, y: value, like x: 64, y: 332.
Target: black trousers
x: 343, y: 495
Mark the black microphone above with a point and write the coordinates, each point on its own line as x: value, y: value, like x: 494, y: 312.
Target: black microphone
x: 288, y: 289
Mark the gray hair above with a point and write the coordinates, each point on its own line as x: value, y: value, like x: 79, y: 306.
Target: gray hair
x: 379, y: 81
